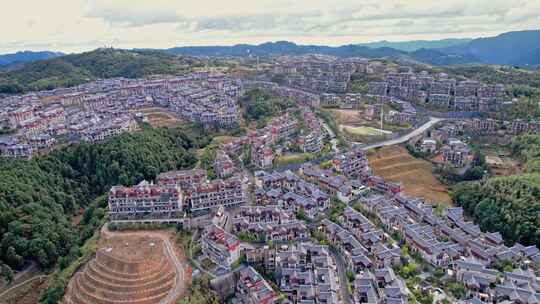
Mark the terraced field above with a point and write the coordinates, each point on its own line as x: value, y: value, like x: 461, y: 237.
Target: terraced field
x: 396, y: 164
x: 129, y: 270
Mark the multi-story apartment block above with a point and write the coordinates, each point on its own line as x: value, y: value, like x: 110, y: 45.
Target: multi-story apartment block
x: 455, y: 152
x: 353, y: 163
x: 262, y: 156
x: 520, y: 126
x: 223, y: 165
x: 465, y: 103
x: 428, y: 145
x: 220, y: 246
x: 182, y: 178
x: 377, y: 88
x: 439, y: 100
x: 211, y: 195
x: 484, y: 125
x: 144, y: 199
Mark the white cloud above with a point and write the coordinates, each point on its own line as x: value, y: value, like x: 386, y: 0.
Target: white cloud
x: 75, y: 25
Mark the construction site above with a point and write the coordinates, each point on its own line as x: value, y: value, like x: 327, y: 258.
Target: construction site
x: 134, y: 268
x: 395, y: 164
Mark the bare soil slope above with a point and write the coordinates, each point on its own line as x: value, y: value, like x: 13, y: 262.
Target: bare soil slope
x: 396, y: 164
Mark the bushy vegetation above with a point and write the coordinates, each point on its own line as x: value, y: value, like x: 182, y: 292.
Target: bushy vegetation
x: 71, y: 70
x: 510, y: 204
x: 260, y: 105
x: 200, y: 292
x: 39, y: 197
x: 527, y: 148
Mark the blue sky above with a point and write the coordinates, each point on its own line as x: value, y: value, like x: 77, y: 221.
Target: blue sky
x: 78, y: 25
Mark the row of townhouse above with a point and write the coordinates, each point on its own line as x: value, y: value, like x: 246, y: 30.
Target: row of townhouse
x: 282, y: 232
x: 352, y: 164
x: 491, y: 126
x: 489, y: 286
x: 399, y: 118
x: 440, y: 91
x: 26, y: 147
x: 334, y: 185
x: 344, y: 101
x: 379, y: 286
x: 175, y: 192
x: 424, y: 231
x: 290, y: 192
x: 304, y: 272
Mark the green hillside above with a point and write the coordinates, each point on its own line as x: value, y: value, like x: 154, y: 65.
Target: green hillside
x: 510, y: 204
x: 71, y: 70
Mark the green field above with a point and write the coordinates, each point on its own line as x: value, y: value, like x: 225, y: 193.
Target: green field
x: 293, y: 158
x: 363, y: 130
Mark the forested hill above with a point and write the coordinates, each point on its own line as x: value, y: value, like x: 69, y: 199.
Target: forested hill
x: 40, y: 197
x: 511, y: 204
x: 26, y: 56
x: 71, y: 70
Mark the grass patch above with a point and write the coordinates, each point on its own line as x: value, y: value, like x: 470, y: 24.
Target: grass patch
x: 294, y: 158
x: 362, y: 130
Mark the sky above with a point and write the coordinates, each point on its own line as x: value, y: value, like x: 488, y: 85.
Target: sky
x: 82, y: 25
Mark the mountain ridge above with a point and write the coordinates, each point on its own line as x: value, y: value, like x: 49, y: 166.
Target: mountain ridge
x: 26, y: 56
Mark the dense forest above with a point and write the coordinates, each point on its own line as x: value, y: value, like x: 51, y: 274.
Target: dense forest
x: 71, y: 70
x: 510, y: 204
x: 260, y: 105
x: 40, y: 197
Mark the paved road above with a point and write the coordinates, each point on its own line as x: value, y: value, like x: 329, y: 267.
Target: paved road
x: 179, y: 269
x: 342, y: 273
x: 432, y: 121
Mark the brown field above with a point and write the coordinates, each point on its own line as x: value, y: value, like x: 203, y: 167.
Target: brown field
x: 160, y: 117
x: 396, y: 164
x: 129, y: 267
x: 27, y: 293
x: 502, y: 165
x: 346, y: 117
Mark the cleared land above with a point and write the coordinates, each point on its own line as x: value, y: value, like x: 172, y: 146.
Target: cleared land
x: 160, y: 117
x: 396, y: 164
x: 135, y: 267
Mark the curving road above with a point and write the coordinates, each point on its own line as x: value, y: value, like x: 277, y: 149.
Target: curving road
x: 179, y: 269
x: 432, y: 121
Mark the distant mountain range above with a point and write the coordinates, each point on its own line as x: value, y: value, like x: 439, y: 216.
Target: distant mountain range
x: 415, y: 45
x: 26, y: 56
x: 430, y: 56
x: 512, y: 48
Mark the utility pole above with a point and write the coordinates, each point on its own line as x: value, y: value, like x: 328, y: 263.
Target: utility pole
x: 382, y: 114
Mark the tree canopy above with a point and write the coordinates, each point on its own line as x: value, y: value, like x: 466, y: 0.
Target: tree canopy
x: 39, y: 197
x: 510, y: 205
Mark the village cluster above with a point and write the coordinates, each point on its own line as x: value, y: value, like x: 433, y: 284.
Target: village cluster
x: 276, y: 226
x: 439, y: 91
x: 98, y: 110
